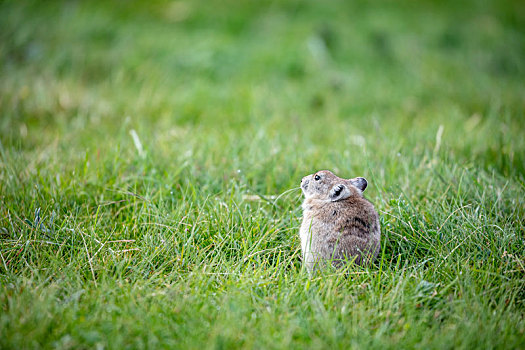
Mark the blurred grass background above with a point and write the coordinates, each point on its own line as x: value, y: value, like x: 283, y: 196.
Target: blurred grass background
x: 134, y: 135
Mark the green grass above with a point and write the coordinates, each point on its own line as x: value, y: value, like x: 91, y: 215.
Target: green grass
x: 106, y: 245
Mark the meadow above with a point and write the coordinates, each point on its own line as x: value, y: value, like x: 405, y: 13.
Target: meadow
x: 151, y: 155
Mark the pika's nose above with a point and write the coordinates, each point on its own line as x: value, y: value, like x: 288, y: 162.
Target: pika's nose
x: 304, y: 182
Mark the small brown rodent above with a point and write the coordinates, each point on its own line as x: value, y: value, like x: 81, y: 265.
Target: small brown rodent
x: 339, y: 225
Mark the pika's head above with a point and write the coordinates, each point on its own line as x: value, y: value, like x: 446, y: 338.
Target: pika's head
x: 325, y: 185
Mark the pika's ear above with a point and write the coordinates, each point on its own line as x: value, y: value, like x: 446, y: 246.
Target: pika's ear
x: 339, y: 192
x: 360, y: 183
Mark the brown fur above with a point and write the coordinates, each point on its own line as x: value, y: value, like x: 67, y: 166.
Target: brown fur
x: 339, y: 225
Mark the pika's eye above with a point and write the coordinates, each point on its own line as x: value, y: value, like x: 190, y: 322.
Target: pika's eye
x: 317, y: 178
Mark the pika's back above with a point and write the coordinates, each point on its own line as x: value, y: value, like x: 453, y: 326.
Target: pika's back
x: 339, y: 225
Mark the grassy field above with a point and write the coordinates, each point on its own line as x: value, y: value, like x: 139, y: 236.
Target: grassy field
x: 151, y: 154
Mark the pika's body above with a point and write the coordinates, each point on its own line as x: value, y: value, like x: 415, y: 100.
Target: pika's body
x: 339, y: 225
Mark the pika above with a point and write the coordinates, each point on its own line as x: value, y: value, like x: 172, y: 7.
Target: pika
x: 339, y: 225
